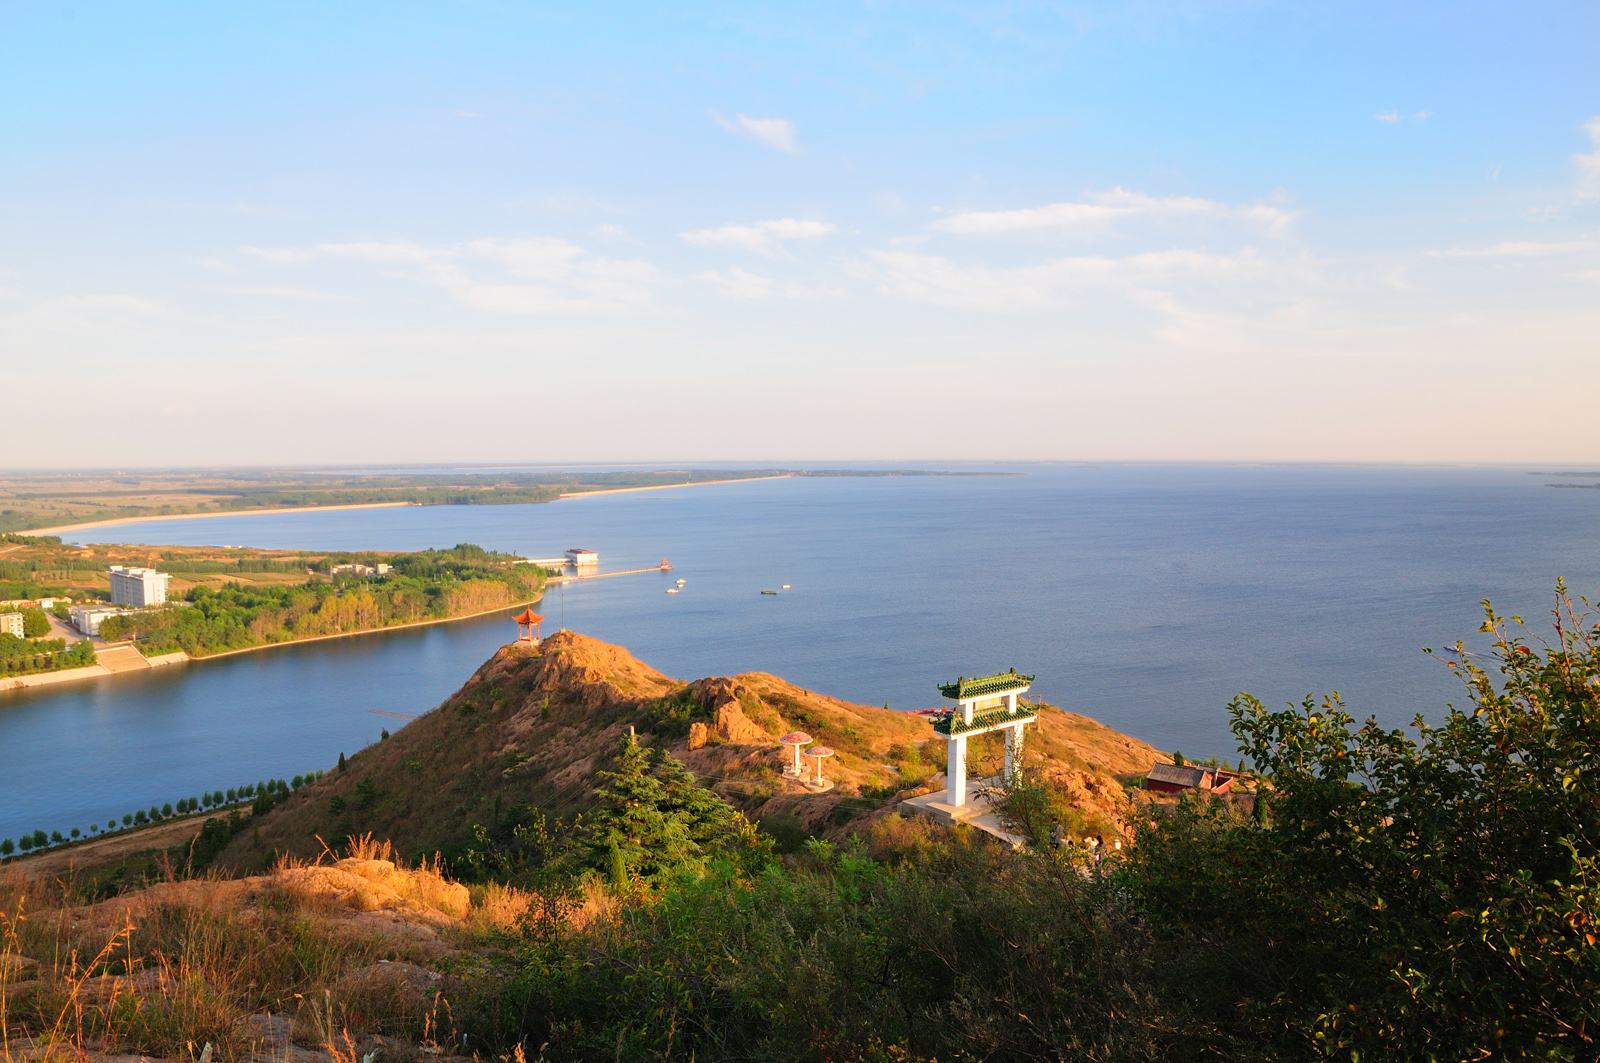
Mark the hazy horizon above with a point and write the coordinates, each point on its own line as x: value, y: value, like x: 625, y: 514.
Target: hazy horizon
x: 1230, y: 233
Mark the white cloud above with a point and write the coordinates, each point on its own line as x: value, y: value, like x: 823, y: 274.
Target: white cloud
x: 776, y: 133
x: 533, y: 275
x: 1107, y: 208
x: 1388, y: 117
x: 759, y: 235
x: 1589, y: 165
x: 1421, y: 116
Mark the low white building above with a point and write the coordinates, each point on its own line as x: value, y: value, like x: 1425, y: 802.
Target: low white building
x: 138, y: 587
x: 581, y: 557
x: 11, y: 624
x: 88, y: 618
x: 355, y: 568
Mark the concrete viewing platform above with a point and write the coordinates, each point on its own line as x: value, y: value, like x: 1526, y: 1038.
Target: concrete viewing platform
x: 976, y: 811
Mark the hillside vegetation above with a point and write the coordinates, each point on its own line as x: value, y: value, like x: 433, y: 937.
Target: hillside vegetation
x: 526, y: 734
x: 1431, y: 895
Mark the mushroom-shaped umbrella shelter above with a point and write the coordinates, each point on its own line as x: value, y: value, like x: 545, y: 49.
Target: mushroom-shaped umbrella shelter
x: 796, y: 739
x: 527, y: 623
x: 819, y: 754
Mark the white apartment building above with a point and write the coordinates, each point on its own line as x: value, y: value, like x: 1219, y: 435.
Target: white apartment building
x: 11, y: 624
x: 138, y: 587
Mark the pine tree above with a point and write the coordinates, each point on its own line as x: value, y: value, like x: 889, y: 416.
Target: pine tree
x: 634, y: 817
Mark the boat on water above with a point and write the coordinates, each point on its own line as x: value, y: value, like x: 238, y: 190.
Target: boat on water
x: 672, y: 590
x: 786, y: 586
x: 772, y: 593
x: 681, y: 582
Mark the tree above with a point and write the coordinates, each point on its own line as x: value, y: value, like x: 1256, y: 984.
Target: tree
x: 1434, y: 895
x: 127, y: 819
x: 7, y: 847
x: 634, y: 818
x: 26, y: 843
x: 75, y: 832
x: 35, y: 624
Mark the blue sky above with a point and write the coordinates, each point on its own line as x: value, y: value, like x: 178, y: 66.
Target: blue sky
x: 499, y: 232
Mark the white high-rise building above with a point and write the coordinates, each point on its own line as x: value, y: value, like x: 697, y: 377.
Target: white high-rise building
x: 138, y: 587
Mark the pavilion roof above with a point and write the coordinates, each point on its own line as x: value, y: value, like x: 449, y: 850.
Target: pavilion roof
x: 985, y: 685
x: 527, y: 616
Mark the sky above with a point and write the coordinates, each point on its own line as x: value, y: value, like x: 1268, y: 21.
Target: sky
x: 313, y: 233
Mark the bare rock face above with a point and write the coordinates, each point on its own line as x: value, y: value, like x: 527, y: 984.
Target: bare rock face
x: 699, y: 734
x: 721, y: 696
x: 736, y: 728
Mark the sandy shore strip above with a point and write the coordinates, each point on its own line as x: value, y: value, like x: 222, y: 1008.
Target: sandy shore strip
x: 686, y: 483
x: 60, y: 528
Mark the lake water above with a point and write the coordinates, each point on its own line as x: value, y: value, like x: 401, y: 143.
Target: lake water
x: 1144, y: 595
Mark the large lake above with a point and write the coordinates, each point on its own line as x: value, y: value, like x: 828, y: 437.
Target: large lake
x: 1144, y: 595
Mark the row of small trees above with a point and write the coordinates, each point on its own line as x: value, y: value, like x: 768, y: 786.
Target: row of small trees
x: 262, y: 793
x: 26, y: 656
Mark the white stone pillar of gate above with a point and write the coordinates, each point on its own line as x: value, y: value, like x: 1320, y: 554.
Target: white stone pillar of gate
x: 955, y: 772
x: 1013, y: 754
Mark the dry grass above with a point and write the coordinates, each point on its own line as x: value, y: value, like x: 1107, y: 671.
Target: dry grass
x: 252, y: 968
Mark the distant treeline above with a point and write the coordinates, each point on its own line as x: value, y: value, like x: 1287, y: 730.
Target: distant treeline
x: 431, y: 584
x: 262, y: 796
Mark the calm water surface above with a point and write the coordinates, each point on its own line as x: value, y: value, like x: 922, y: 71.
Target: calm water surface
x: 1144, y: 595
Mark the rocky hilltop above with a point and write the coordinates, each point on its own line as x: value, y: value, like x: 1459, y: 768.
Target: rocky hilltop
x: 534, y: 723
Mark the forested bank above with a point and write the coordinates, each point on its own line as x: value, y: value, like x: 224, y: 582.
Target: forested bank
x: 427, y: 585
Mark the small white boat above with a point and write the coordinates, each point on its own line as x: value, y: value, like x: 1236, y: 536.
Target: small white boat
x: 681, y: 582
x: 786, y: 586
x: 672, y: 590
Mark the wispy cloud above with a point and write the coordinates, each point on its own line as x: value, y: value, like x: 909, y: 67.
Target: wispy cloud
x: 1106, y: 208
x: 776, y: 133
x: 940, y: 280
x: 105, y: 305
x: 286, y: 292
x: 1589, y: 164
x: 1387, y: 117
x: 758, y: 235
x: 1518, y: 249
x: 532, y: 275
x: 738, y: 283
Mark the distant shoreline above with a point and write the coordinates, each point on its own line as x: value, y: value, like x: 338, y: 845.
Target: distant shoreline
x: 60, y: 528
x: 686, y: 483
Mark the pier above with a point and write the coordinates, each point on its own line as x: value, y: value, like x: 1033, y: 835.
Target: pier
x: 574, y: 577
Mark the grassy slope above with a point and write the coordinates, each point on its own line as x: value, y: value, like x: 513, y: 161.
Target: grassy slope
x: 533, y: 725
